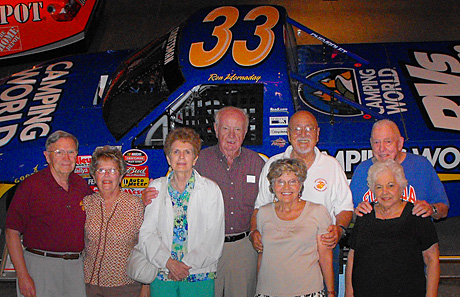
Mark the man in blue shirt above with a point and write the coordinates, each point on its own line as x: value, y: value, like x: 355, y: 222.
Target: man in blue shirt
x: 425, y: 189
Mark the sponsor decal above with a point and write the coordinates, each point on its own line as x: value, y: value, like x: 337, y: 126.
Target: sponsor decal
x: 435, y: 81
x: 135, y: 157
x: 137, y: 171
x: 234, y: 77
x: 320, y: 185
x: 23, y: 177
x: 280, y: 142
x: 21, y: 13
x: 134, y: 191
x: 279, y: 109
x: 135, y: 182
x: 170, y: 46
x: 445, y: 158
x: 278, y: 131
x: 10, y: 39
x: 82, y: 166
x: 279, y: 121
x: 341, y: 81
x: 27, y: 106
x: 382, y: 90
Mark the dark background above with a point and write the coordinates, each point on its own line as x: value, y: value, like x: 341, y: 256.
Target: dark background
x: 128, y: 24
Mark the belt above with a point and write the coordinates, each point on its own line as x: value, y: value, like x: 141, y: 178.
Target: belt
x: 232, y: 238
x: 48, y: 254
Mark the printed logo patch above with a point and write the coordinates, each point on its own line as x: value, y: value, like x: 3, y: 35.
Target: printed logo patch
x: 320, y: 185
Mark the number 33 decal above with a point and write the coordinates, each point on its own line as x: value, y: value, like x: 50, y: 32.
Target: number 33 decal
x: 199, y: 57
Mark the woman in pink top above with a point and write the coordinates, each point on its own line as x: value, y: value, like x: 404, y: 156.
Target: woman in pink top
x: 294, y: 262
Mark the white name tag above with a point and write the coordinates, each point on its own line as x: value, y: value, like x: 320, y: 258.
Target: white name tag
x: 251, y: 179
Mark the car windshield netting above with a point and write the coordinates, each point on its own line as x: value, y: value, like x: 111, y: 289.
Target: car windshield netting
x: 140, y: 84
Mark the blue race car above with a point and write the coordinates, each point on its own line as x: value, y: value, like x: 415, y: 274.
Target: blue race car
x: 245, y: 56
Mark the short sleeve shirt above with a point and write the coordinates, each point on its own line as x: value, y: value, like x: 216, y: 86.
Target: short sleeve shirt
x: 49, y: 217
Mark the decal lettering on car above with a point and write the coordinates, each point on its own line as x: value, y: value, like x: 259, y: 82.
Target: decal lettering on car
x: 199, y: 57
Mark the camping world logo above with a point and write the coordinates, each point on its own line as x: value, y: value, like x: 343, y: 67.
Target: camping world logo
x: 340, y: 80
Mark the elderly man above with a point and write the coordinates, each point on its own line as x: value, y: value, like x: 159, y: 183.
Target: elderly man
x: 47, y: 211
x: 425, y: 189
x: 236, y: 170
x: 326, y: 183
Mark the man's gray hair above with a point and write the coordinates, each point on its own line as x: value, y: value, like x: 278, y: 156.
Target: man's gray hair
x: 55, y: 136
x: 388, y: 165
x: 226, y: 108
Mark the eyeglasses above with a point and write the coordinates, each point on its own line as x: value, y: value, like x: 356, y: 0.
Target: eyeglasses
x: 110, y: 171
x: 298, y: 130
x: 282, y: 183
x: 62, y: 153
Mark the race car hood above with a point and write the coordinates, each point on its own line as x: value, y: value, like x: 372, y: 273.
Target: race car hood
x: 56, y: 95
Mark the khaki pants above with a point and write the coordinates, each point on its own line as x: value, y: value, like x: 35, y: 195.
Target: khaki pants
x: 237, y: 270
x: 54, y: 277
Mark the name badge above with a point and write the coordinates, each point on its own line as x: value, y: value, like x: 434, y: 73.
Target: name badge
x: 250, y: 179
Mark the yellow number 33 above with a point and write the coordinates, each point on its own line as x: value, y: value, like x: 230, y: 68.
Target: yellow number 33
x: 243, y: 56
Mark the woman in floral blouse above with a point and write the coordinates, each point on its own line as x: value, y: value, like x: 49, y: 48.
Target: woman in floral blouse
x: 183, y: 229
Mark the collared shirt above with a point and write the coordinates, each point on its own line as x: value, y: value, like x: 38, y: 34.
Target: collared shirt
x: 239, y: 184
x: 49, y: 217
x: 110, y: 235
x: 325, y: 184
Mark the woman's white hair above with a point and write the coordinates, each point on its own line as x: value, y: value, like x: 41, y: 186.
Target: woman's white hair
x: 388, y: 165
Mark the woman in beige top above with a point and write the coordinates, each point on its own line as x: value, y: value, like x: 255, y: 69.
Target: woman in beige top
x: 113, y: 220
x: 294, y: 262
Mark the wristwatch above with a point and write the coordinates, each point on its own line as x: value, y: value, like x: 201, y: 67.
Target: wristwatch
x: 344, y: 231
x: 435, y: 210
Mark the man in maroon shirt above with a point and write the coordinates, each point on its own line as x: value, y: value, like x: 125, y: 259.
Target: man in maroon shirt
x: 236, y: 170
x: 46, y: 210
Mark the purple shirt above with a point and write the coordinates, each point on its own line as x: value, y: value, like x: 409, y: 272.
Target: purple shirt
x: 239, y: 184
x: 49, y: 217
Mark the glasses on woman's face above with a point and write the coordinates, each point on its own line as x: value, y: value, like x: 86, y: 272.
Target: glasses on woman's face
x: 282, y: 183
x: 110, y: 171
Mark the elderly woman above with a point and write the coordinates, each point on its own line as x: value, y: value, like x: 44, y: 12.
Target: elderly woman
x: 113, y: 220
x: 390, y: 247
x: 183, y: 229
x: 294, y: 262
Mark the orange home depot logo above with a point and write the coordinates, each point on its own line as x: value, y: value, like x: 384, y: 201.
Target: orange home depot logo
x: 320, y: 185
x: 10, y: 40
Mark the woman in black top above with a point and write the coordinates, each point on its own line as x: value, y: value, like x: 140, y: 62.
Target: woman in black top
x: 390, y: 247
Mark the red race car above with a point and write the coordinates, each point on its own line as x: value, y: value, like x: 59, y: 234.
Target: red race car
x: 37, y: 26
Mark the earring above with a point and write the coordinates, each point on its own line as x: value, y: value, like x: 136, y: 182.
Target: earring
x: 300, y: 199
